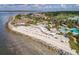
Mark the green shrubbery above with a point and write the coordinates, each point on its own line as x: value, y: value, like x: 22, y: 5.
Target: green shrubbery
x: 18, y: 16
x: 74, y: 45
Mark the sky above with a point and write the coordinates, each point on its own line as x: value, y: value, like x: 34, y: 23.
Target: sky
x: 40, y: 7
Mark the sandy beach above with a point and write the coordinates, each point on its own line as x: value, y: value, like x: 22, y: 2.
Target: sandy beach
x: 35, y: 32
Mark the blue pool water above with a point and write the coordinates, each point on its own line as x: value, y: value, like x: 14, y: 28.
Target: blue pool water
x: 75, y: 31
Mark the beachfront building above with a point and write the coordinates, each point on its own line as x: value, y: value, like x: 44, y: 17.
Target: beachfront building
x: 77, y: 25
x: 74, y: 19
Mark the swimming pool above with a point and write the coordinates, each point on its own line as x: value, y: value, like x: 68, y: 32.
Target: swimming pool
x: 75, y: 31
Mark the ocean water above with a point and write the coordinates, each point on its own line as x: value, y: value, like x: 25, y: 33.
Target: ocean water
x: 9, y: 41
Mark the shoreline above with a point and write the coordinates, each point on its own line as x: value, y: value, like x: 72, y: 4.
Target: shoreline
x: 50, y: 46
